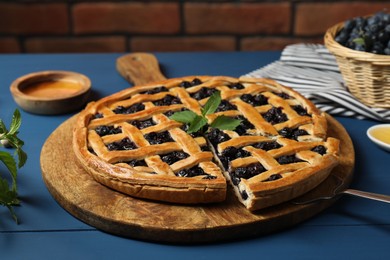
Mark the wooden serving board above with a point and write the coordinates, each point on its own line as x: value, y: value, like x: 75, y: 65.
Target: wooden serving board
x: 116, y: 213
x: 113, y: 212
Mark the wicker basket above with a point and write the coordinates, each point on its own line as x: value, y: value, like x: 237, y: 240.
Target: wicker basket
x: 366, y: 75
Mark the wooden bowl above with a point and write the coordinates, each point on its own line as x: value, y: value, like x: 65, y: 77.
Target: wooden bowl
x: 51, y: 92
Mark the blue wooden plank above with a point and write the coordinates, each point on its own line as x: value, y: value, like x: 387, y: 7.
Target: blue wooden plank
x: 301, y: 242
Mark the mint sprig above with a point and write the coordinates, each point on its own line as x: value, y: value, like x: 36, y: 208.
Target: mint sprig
x: 197, y: 122
x: 9, y: 139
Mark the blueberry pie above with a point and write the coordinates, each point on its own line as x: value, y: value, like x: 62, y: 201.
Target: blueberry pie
x: 279, y: 149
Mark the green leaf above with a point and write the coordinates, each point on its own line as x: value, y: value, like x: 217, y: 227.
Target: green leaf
x: 14, y: 141
x: 9, y: 162
x: 225, y: 123
x: 359, y: 41
x: 22, y: 157
x: 15, y: 123
x: 212, y: 104
x: 184, y: 116
x: 3, y: 128
x: 8, y: 198
x: 13, y: 214
x: 197, y: 124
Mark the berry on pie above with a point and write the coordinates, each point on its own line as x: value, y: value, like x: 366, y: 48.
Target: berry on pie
x: 130, y: 142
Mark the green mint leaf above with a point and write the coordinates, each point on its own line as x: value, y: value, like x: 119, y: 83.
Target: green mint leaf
x: 197, y: 124
x: 3, y: 128
x: 22, y: 157
x: 184, y: 116
x: 10, y: 140
x: 13, y: 214
x: 8, y: 198
x: 14, y: 141
x: 225, y: 123
x: 212, y: 104
x: 15, y: 123
x: 9, y: 162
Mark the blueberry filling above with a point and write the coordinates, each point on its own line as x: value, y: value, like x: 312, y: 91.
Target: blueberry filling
x: 187, y: 84
x: 292, y: 133
x: 216, y: 136
x: 243, y: 126
x: 319, y: 149
x: 244, y: 195
x: 283, y: 95
x: 258, y: 100
x: 192, y: 172
x: 300, y: 110
x: 169, y: 113
x: 273, y: 177
x: 155, y: 90
x: 107, y: 130
x: 97, y: 115
x: 158, y: 137
x: 275, y: 116
x: 143, y: 124
x: 240, y: 130
x: 196, y: 82
x: 129, y: 110
x: 205, y: 148
x: 167, y: 100
x: 135, y: 163
x: 209, y: 177
x: 286, y: 159
x: 231, y: 153
x: 173, y: 157
x: 124, y: 144
x: 225, y: 106
x: 236, y: 86
x: 203, y: 93
x: 246, y: 172
x: 266, y: 146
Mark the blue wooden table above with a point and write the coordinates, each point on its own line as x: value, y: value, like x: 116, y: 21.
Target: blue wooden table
x: 352, y: 228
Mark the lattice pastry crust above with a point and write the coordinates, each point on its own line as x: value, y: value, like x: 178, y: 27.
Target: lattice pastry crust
x: 280, y: 150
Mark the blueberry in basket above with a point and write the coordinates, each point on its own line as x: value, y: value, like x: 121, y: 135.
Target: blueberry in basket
x: 368, y: 34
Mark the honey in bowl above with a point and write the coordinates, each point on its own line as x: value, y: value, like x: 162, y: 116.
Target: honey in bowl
x: 52, y: 89
x: 382, y: 134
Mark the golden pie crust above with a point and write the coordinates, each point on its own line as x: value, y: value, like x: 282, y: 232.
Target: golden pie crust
x: 158, y: 180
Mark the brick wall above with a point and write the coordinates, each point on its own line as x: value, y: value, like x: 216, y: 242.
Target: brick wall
x: 44, y: 26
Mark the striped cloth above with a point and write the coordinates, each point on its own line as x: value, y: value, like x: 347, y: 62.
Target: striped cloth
x: 312, y: 70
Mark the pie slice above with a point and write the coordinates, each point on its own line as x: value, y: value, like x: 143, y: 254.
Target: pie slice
x: 128, y: 142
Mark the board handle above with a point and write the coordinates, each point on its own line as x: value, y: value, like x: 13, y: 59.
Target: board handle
x: 139, y: 68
